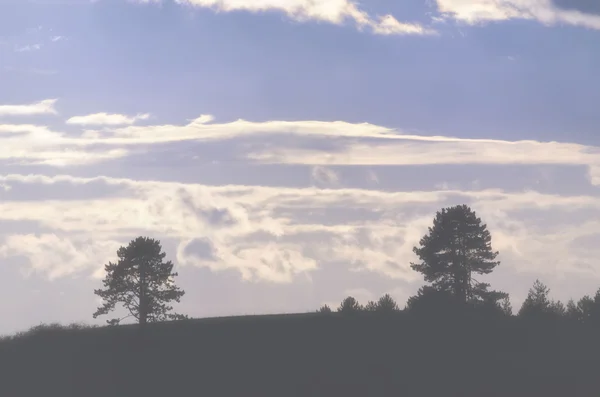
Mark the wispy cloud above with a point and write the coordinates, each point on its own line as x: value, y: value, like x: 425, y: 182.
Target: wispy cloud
x: 28, y: 48
x: 545, y: 11
x: 354, y: 143
x: 42, y: 107
x: 324, y: 177
x: 331, y: 11
x: 106, y: 119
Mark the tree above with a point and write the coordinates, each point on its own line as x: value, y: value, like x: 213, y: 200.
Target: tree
x: 142, y: 282
x: 506, y: 306
x: 573, y: 312
x: 349, y: 305
x: 538, y: 303
x: 386, y: 304
x: 457, y: 246
x: 587, y: 309
x: 325, y: 309
x: 490, y: 301
x: 432, y: 301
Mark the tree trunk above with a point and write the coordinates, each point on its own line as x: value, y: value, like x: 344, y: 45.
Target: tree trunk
x: 143, y: 309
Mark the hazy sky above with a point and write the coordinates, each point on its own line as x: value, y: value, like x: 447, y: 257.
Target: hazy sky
x: 289, y: 153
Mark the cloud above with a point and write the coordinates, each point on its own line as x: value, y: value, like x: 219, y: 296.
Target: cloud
x: 584, y: 6
x: 549, y: 12
x: 37, y: 144
x: 32, y: 144
x: 106, y: 119
x: 372, y: 177
x: 42, y: 107
x: 203, y: 128
x: 28, y: 48
x: 331, y: 11
x: 324, y: 177
x: 58, y: 257
x: 315, y: 143
x: 277, y: 234
x: 423, y: 150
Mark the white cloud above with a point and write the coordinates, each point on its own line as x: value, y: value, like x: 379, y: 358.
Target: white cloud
x: 42, y: 107
x: 203, y: 128
x: 58, y: 257
x: 28, y: 48
x: 277, y: 234
x: 36, y: 144
x: 356, y: 143
x: 106, y: 119
x: 544, y: 11
x: 594, y: 174
x: 32, y: 144
x: 422, y: 150
x: 331, y: 11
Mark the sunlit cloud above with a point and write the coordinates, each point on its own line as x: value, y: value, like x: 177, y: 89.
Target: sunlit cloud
x: 353, y: 143
x: 42, y: 107
x: 331, y: 11
x: 276, y: 234
x: 106, y: 119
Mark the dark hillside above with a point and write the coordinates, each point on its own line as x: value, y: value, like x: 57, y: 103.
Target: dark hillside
x: 364, y: 354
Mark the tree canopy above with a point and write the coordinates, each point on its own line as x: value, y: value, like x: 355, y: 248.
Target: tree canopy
x: 349, y: 305
x: 142, y: 282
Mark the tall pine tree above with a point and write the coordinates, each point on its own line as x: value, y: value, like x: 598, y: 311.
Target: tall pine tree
x: 142, y: 282
x: 457, y: 246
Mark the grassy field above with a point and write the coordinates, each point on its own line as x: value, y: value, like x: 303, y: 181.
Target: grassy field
x: 365, y: 354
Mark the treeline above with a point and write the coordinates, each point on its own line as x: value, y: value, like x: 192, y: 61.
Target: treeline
x: 429, y: 301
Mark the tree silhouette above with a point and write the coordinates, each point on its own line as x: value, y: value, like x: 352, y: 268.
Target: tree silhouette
x: 371, y: 306
x: 349, y: 305
x: 457, y: 246
x: 431, y: 300
x: 491, y: 301
x: 573, y: 312
x: 587, y: 309
x: 142, y: 282
x: 538, y: 303
x: 506, y: 306
x: 324, y: 309
x: 386, y: 304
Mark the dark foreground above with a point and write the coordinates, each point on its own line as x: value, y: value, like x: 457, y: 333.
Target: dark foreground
x: 307, y: 355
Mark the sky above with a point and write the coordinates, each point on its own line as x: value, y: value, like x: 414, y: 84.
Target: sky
x: 289, y: 153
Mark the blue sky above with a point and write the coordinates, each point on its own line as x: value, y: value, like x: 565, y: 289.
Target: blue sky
x: 289, y: 153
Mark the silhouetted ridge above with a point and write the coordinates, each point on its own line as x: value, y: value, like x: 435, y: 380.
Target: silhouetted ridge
x: 309, y: 354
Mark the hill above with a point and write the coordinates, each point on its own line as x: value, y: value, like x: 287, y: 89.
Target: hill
x: 364, y: 354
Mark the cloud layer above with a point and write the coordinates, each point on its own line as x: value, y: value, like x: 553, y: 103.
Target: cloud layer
x: 289, y: 142
x: 584, y: 13
x: 276, y: 234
